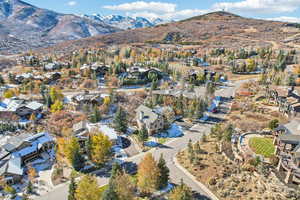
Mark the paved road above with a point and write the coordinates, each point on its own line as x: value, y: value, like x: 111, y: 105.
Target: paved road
x: 169, y: 150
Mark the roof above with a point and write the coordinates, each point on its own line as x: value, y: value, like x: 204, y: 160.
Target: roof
x: 293, y: 127
x: 108, y: 131
x: 12, y: 166
x: 149, y: 116
x: 80, y: 125
x: 34, y: 105
x: 15, y: 142
x: 290, y: 139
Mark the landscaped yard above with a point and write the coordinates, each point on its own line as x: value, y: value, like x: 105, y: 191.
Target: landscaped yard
x: 262, y: 146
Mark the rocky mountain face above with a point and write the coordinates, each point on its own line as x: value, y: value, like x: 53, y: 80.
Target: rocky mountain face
x: 24, y: 26
x: 125, y: 23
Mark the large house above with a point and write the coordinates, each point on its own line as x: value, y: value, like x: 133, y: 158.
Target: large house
x: 20, y: 107
x: 20, y: 150
x: 151, y: 119
x: 287, y: 141
x: 78, y: 102
x: 287, y: 99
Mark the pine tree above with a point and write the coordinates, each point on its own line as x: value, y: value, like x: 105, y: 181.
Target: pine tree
x: 181, y: 192
x: 120, y: 121
x: 143, y: 134
x: 72, y: 189
x: 29, y: 188
x: 77, y: 161
x: 110, y: 193
x: 148, y: 174
x: 2, y: 82
x: 163, y: 173
x: 116, y: 170
x: 96, y: 116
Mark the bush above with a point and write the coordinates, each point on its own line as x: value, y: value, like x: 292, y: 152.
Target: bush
x: 212, y: 181
x: 274, y: 160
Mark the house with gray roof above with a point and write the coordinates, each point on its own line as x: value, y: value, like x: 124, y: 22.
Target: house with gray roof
x: 287, y: 143
x: 20, y: 150
x: 151, y: 119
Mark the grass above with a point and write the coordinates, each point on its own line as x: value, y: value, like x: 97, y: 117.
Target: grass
x: 262, y: 146
x: 162, y: 140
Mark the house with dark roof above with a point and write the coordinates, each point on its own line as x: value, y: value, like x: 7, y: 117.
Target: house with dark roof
x: 287, y: 142
x: 151, y: 119
x: 20, y: 150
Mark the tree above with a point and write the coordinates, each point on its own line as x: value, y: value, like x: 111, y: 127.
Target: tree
x: 181, y: 192
x: 163, y: 173
x: 143, y: 134
x: 72, y: 153
x: 8, y: 94
x: 87, y: 189
x: 31, y: 173
x: 148, y: 174
x: 116, y: 170
x: 124, y: 187
x: 100, y: 148
x: 110, y: 193
x: 29, y: 188
x: 72, y: 189
x: 96, y: 116
x: 57, y: 106
x: 2, y: 82
x: 120, y: 121
x: 273, y: 124
x: 55, y: 94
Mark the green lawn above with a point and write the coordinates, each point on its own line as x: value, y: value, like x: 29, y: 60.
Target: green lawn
x: 262, y: 146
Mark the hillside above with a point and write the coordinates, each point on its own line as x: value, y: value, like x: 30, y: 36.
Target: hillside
x: 24, y: 26
x: 218, y: 29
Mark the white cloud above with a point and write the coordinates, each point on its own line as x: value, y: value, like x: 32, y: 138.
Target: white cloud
x: 286, y: 19
x: 259, y: 6
x: 72, y: 3
x: 144, y: 6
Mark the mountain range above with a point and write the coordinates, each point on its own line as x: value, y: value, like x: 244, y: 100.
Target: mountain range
x: 212, y: 30
x: 24, y: 26
x: 127, y: 22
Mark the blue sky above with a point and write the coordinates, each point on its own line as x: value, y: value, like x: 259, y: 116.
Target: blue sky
x: 284, y: 10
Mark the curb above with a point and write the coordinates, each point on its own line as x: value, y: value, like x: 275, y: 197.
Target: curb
x: 201, y: 185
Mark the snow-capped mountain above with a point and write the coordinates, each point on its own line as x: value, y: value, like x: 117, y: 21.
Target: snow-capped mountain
x: 123, y: 22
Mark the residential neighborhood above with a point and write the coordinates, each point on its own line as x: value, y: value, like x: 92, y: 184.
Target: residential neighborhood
x: 206, y: 107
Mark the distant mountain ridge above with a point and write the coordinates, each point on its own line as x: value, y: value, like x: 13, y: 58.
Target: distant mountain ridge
x: 126, y: 22
x: 24, y: 26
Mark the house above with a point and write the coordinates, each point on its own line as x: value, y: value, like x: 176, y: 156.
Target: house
x: 286, y: 98
x: 150, y: 119
x: 52, y: 76
x: 82, y: 129
x: 21, y: 107
x: 51, y: 66
x: 20, y: 150
x: 80, y: 101
x: 287, y: 143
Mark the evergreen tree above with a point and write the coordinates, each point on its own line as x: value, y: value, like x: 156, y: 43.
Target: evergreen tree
x: 143, y: 134
x: 181, y: 192
x: 78, y: 160
x: 72, y: 189
x: 120, y: 121
x: 163, y: 173
x: 96, y: 116
x: 2, y: 82
x: 116, y: 170
x: 29, y: 188
x: 110, y: 193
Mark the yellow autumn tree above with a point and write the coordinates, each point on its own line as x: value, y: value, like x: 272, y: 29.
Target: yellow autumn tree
x: 88, y: 189
x: 57, y: 106
x: 148, y: 174
x: 8, y: 94
x: 100, y: 148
